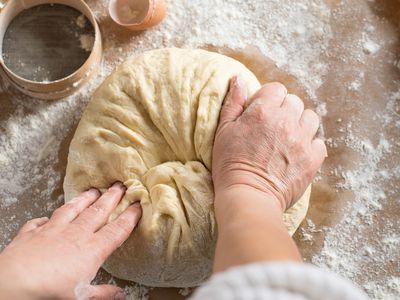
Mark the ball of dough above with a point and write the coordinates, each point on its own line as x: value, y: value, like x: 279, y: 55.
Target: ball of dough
x: 151, y: 125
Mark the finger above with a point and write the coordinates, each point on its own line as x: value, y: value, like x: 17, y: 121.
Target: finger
x: 33, y: 224
x: 97, y: 214
x: 234, y: 101
x: 319, y: 152
x: 309, y: 122
x: 294, y: 105
x: 70, y: 210
x: 271, y: 94
x: 111, y: 236
x: 100, y: 292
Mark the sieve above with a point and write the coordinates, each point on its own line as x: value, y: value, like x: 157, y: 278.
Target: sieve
x: 54, y: 77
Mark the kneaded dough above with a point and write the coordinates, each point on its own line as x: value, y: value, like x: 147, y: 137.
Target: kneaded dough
x: 151, y: 125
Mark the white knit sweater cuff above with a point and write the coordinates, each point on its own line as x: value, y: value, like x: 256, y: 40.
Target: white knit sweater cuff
x: 278, y: 281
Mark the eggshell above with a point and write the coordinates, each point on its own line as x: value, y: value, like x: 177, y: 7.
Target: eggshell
x: 137, y: 14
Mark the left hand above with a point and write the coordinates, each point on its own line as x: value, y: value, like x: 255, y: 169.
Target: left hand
x: 57, y: 258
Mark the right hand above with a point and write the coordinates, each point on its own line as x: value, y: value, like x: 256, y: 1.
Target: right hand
x: 269, y: 146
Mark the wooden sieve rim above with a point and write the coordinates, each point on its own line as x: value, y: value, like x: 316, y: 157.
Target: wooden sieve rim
x: 58, y: 88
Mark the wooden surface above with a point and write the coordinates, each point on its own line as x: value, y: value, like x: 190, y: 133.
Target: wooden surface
x: 327, y: 201
x: 43, y: 43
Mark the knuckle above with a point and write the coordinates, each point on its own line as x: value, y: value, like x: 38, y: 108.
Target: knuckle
x: 36, y: 230
x: 121, y: 226
x: 260, y: 112
x: 81, y: 225
x: 286, y: 129
x: 59, y: 211
x: 113, y: 234
x: 66, y: 209
x: 96, y: 210
x: 298, y: 148
x: 71, y: 208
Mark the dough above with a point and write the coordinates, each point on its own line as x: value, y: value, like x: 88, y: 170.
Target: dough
x: 151, y: 125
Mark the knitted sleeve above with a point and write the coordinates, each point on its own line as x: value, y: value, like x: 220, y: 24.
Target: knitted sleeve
x: 278, y: 281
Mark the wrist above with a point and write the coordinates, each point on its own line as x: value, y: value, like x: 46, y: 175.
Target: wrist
x: 238, y: 194
x: 13, y: 282
x: 253, y: 180
x: 9, y: 284
x: 237, y: 200
x: 250, y: 228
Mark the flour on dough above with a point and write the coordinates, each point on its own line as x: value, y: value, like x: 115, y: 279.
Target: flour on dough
x: 151, y: 125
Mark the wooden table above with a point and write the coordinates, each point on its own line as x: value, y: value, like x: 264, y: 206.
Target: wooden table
x: 345, y: 106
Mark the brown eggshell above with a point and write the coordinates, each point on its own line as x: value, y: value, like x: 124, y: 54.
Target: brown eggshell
x: 154, y: 15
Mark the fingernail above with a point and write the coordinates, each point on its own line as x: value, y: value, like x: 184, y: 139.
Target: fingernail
x: 118, y: 184
x: 241, y: 86
x: 282, y: 89
x: 238, y: 81
x: 120, y: 296
x: 136, y: 204
x: 94, y: 192
x: 232, y: 83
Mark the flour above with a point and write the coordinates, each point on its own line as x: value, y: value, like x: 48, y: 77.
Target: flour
x: 81, y: 21
x: 185, y: 291
x: 297, y: 36
x: 129, y: 14
x: 369, y: 46
x: 348, y: 253
x: 87, y: 42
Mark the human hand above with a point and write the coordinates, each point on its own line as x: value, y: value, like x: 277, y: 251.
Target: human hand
x: 57, y: 258
x: 268, y: 146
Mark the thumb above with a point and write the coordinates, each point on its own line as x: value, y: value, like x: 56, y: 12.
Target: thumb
x: 234, y: 102
x: 106, y: 292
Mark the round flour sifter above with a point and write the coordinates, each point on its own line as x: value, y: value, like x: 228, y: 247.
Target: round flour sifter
x: 49, y: 49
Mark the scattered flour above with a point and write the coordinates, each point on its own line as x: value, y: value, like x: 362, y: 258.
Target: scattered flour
x: 370, y: 47
x: 136, y: 292
x: 295, y: 35
x: 321, y: 109
x: 347, y: 247
x: 185, y: 292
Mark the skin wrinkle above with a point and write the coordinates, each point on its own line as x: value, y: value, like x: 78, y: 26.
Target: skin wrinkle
x: 264, y: 183
x: 261, y: 114
x: 266, y: 164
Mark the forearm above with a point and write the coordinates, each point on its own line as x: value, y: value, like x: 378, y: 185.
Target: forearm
x: 250, y: 229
